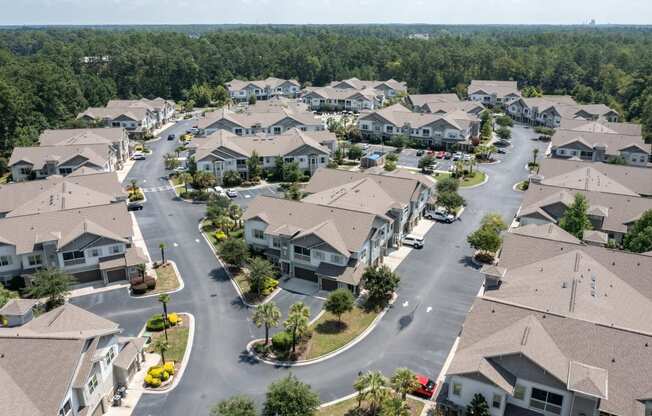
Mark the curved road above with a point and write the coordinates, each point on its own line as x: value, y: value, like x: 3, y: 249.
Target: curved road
x: 437, y: 288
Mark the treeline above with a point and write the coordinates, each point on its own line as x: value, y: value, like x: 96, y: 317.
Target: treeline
x: 47, y: 76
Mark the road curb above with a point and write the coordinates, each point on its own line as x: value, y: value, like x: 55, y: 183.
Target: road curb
x: 486, y: 179
x: 169, y: 292
x: 515, y: 187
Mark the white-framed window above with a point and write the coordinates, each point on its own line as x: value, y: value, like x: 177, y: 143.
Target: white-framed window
x: 238, y: 131
x: 5, y: 261
x: 318, y: 255
x: 25, y: 171
x: 65, y: 171
x: 65, y: 410
x: 259, y: 234
x: 336, y: 258
x: 519, y: 392
x: 496, y: 401
x: 116, y: 249
x: 110, y: 354
x: 34, y: 259
x: 92, y: 384
x: 276, y: 243
x: 546, y: 401
x: 364, y: 126
x: 95, y: 252
x: 457, y: 389
x: 277, y: 130
x: 322, y: 159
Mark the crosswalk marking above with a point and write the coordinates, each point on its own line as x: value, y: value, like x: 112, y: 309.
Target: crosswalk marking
x: 157, y: 189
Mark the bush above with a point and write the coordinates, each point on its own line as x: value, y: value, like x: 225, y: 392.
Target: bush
x: 165, y: 375
x: 173, y: 319
x: 484, y: 257
x: 281, y: 342
x: 220, y: 236
x: 150, y: 283
x: 136, y: 196
x: 138, y: 288
x: 169, y: 367
x: 155, y: 372
x: 152, y: 381
x: 269, y: 286
x: 156, y: 323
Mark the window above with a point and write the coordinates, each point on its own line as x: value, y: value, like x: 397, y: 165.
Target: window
x: 546, y: 401
x: 73, y: 255
x: 303, y: 128
x: 519, y: 392
x: 259, y: 234
x: 496, y: 401
x: 115, y: 124
x: 65, y: 171
x: 25, y: 171
x: 110, y: 354
x: 277, y: 130
x: 457, y: 389
x: 116, y: 249
x: 276, y: 243
x: 67, y: 407
x: 425, y: 132
x: 302, y: 251
x: 363, y: 255
x: 365, y: 127
x: 34, y: 259
x: 390, y: 129
x: 5, y: 261
x: 238, y: 132
x: 336, y: 258
x: 323, y: 159
x: 288, y: 160
x: 92, y: 384
x: 95, y: 252
x: 318, y: 255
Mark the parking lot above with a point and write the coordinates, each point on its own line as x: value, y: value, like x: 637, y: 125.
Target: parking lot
x: 248, y: 194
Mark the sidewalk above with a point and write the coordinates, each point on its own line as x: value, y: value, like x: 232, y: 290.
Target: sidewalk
x: 394, y: 259
x: 161, y: 129
x: 122, y: 173
x: 139, y: 241
x: 135, y: 389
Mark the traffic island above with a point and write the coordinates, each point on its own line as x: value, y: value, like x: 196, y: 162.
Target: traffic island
x: 351, y: 406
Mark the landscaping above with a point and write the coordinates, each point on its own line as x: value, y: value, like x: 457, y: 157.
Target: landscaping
x: 350, y: 407
x: 166, y: 281
x: 475, y: 178
x: 523, y: 185
x: 178, y: 330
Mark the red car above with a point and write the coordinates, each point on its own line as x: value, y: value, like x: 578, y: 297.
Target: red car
x: 426, y: 387
x: 440, y: 154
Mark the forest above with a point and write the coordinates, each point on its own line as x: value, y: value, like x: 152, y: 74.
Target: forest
x: 48, y: 75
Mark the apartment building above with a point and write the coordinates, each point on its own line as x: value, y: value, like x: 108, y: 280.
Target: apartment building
x: 455, y: 129
x: 419, y: 102
x: 137, y: 120
x: 272, y: 120
x: 601, y: 125
x: 338, y: 99
x: 66, y: 362
x: 599, y: 147
x: 38, y: 162
x: 501, y: 93
x: 390, y: 88
x: 560, y: 329
x: 549, y: 110
x: 263, y: 89
x: 223, y: 151
x: 116, y: 137
x: 163, y: 110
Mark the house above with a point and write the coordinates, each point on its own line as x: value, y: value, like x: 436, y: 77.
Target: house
x: 418, y: 102
x: 223, y: 151
x: 338, y: 99
x: 39, y: 162
x: 601, y: 126
x: 77, y: 358
x: 116, y: 137
x: 162, y: 109
x: 273, y: 120
x: 549, y: 110
x: 595, y: 176
x: 610, y: 213
x: 438, y: 130
x: 493, y: 92
x: 138, y: 121
x: 263, y: 89
x: 599, y: 147
x: 91, y: 243
x: 390, y: 88
x: 326, y: 245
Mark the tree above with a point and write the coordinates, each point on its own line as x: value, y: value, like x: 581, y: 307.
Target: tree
x: 398, y: 141
x: 390, y: 166
x: 217, y: 206
x: 161, y: 345
x: 6, y: 295
x: 374, y: 391
x: 504, y: 121
x: 53, y: 284
x: 133, y: 185
x: 192, y: 165
x: 231, y: 178
x: 235, y: 213
x: 290, y: 397
x: 165, y: 299
x: 277, y: 170
x: 201, y: 94
x: 203, y: 180
x: 639, y: 236
x: 450, y: 201
x: 504, y: 133
x: 381, y: 282
x: 494, y: 222
x: 170, y: 161
x: 426, y: 161
x: 485, y: 238
x: 142, y: 269
x: 486, y: 131
x: 240, y: 405
x: 339, y: 302
x: 478, y: 406
x: 234, y: 251
x: 447, y: 184
x: 185, y: 178
x: 576, y: 218
x: 254, y: 166
x: 221, y: 96
x: 535, y: 153
x: 293, y: 192
x: 297, y: 321
x: 394, y: 406
x: 224, y: 223
x: 267, y: 315
x: 252, y: 99
x: 531, y: 91
x: 355, y: 152
x: 260, y: 270
x: 291, y: 172
x: 162, y: 247
x: 404, y: 381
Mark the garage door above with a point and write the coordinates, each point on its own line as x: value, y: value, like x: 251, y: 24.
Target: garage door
x: 99, y: 410
x: 305, y: 274
x: 328, y: 284
x: 87, y: 277
x: 116, y: 275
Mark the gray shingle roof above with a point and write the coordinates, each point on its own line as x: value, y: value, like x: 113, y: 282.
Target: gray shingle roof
x: 613, y: 142
x: 68, y: 137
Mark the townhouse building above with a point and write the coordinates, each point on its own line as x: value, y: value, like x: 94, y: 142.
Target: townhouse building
x: 599, y: 147
x: 390, y: 88
x: 493, y: 93
x: 82, y: 355
x: 442, y: 130
x: 560, y: 329
x: 163, y: 110
x: 38, y: 162
x: 549, y: 110
x: 263, y: 89
x: 419, y: 102
x: 601, y: 125
x: 272, y: 120
x: 338, y: 99
x: 116, y: 137
x: 138, y: 121
x: 223, y: 151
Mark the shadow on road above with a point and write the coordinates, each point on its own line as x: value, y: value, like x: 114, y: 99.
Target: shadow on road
x: 405, y: 320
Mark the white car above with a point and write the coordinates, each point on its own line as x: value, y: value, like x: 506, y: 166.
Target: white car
x: 231, y: 193
x: 138, y: 156
x: 413, y: 240
x: 180, y: 169
x: 440, y: 215
x: 457, y: 156
x: 467, y: 157
x: 219, y: 190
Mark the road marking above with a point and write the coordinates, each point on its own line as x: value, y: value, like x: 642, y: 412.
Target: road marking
x: 247, y: 196
x: 175, y: 244
x: 144, y: 180
x: 428, y: 309
x: 405, y: 304
x: 196, y: 240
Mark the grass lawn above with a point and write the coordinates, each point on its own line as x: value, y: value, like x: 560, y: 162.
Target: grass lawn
x: 345, y: 407
x: 441, y: 175
x: 166, y: 278
x: 175, y: 180
x: 477, y: 178
x: 177, y: 340
x: 328, y: 334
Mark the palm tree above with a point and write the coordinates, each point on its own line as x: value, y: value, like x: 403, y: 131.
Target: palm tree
x: 267, y: 314
x: 375, y: 391
x: 535, y: 153
x: 133, y: 185
x: 394, y: 406
x: 259, y: 271
x: 186, y: 178
x: 224, y: 223
x: 142, y: 268
x: 360, y: 384
x: 404, y: 381
x: 165, y: 299
x: 297, y: 322
x: 162, y: 247
x: 235, y: 213
x: 161, y: 346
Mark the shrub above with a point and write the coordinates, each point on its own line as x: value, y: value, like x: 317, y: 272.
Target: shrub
x: 169, y: 367
x: 139, y: 288
x: 281, y: 342
x: 220, y: 236
x: 155, y: 372
x: 484, y: 257
x: 173, y: 319
x: 152, y: 381
x: 269, y: 286
x: 165, y: 375
x: 155, y: 323
x: 150, y: 283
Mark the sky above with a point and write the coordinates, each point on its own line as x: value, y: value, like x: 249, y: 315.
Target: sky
x: 40, y: 12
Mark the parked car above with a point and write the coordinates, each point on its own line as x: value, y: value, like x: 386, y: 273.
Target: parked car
x: 440, y: 215
x: 458, y: 156
x: 180, y: 169
x: 231, y: 193
x: 440, y: 154
x: 138, y: 156
x: 466, y: 157
x: 413, y: 240
x: 501, y: 151
x: 426, y: 387
x: 135, y: 206
x: 171, y: 136
x: 420, y: 152
x: 447, y: 155
x: 192, y: 130
x: 219, y: 190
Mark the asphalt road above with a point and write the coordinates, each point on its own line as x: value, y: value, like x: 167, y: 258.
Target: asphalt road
x: 437, y: 288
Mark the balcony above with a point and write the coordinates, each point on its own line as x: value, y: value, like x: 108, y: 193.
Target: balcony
x: 74, y: 262
x: 302, y: 258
